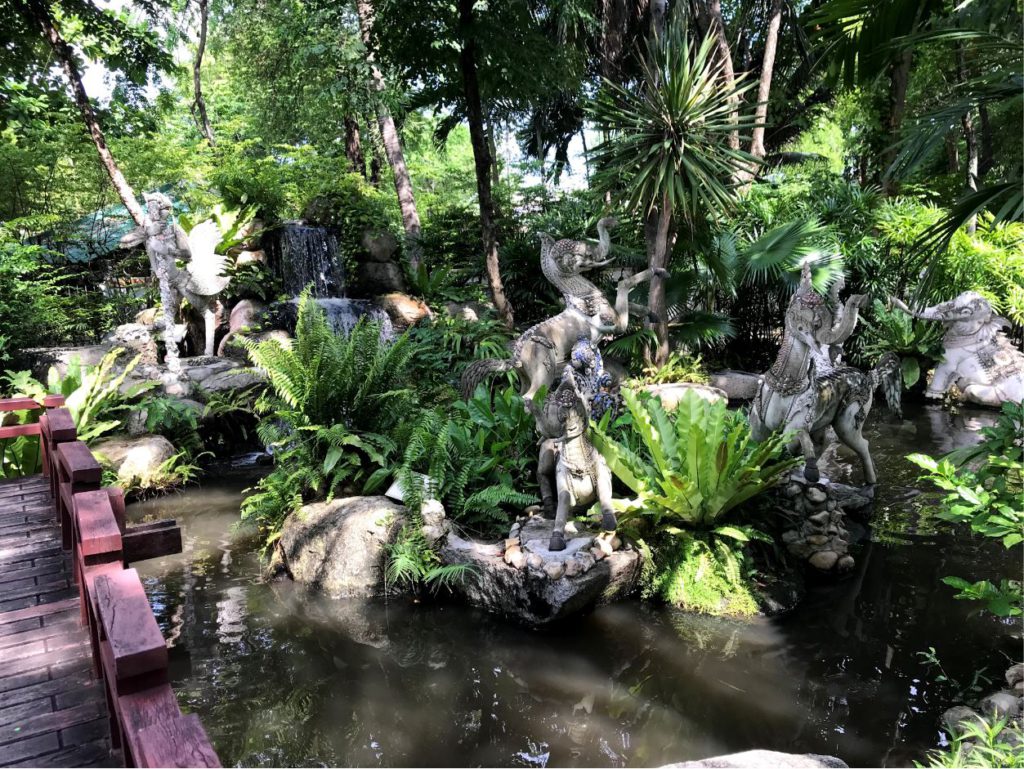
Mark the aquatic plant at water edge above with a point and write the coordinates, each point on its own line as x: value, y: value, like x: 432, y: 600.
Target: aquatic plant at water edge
x: 990, y: 500
x: 689, y: 471
x: 983, y: 743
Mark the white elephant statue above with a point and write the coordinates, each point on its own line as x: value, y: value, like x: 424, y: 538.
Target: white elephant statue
x: 978, y: 358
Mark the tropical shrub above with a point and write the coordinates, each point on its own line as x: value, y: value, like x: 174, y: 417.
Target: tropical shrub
x: 331, y: 402
x: 690, y: 470
x: 989, y: 499
x: 917, y: 343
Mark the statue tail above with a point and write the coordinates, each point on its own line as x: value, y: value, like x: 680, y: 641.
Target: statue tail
x: 479, y: 370
x: 888, y: 374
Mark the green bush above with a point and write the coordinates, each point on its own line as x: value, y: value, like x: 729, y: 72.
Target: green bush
x: 690, y: 470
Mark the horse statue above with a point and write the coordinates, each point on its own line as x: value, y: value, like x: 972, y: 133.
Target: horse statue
x: 571, y: 472
x: 806, y: 391
x: 540, y: 352
x: 201, y: 282
x: 978, y: 358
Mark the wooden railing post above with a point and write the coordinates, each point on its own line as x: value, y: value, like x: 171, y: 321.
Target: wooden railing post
x: 78, y: 471
x: 56, y: 426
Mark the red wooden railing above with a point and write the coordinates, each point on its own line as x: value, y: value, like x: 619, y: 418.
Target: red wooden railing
x: 129, y: 652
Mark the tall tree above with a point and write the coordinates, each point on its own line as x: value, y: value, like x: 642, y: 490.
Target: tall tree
x: 764, y: 85
x: 714, y: 25
x: 198, y: 102
x: 482, y: 160
x: 392, y: 141
x: 39, y: 11
x: 667, y: 156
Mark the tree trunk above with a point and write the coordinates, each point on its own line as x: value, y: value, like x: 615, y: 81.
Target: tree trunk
x: 354, y: 147
x: 764, y: 86
x: 392, y: 142
x: 657, y: 233
x: 952, y: 153
x: 716, y: 26
x: 40, y: 12
x: 612, y: 42
x: 970, y: 139
x: 199, y: 103
x: 899, y: 79
x: 481, y: 160
x: 987, y: 150
x: 376, y: 160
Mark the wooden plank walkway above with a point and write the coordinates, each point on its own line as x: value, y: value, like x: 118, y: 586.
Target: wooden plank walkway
x: 52, y: 711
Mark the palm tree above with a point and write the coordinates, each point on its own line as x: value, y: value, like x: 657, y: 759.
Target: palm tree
x: 666, y: 153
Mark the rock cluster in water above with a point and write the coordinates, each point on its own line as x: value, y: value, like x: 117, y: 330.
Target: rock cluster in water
x: 821, y: 537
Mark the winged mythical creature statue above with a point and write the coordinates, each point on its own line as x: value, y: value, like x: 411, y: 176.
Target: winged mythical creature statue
x: 202, y: 280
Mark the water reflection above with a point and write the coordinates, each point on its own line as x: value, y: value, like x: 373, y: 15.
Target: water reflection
x: 283, y: 679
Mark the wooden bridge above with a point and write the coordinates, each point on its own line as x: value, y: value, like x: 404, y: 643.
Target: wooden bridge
x: 83, y: 665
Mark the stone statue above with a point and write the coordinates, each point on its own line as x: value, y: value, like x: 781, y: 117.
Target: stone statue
x: 201, y: 282
x: 806, y: 393
x: 541, y: 351
x: 978, y: 358
x: 571, y: 472
x: 564, y: 261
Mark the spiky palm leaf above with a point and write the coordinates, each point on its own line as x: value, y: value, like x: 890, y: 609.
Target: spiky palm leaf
x: 667, y: 135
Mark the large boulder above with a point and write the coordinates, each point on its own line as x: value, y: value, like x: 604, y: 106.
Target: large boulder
x: 765, y: 759
x: 137, y: 338
x: 340, y: 547
x: 404, y: 310
x: 671, y: 393
x: 41, y: 359
x: 738, y: 385
x: 523, y: 580
x: 136, y: 460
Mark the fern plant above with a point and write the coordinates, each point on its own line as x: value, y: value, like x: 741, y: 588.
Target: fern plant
x: 332, y: 399
x: 454, y: 461
x: 690, y: 470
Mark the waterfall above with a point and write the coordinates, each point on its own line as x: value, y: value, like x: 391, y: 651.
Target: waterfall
x: 343, y: 314
x: 301, y: 255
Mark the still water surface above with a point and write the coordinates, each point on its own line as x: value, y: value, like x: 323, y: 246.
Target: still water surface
x: 283, y: 680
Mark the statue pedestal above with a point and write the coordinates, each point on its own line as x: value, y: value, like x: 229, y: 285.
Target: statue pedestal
x: 820, y: 536
x: 520, y: 578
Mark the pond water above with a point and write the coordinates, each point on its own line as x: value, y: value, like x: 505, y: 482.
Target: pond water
x: 283, y: 680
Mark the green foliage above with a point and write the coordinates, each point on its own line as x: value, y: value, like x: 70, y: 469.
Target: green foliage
x: 175, y: 420
x: 689, y: 471
x: 917, y: 343
x: 983, y: 743
x: 443, y: 348
x: 679, y: 367
x: 704, y: 576
x: 477, y: 470
x: 696, y: 464
x: 412, y: 562
x: 39, y: 303
x: 329, y: 396
x: 990, y: 500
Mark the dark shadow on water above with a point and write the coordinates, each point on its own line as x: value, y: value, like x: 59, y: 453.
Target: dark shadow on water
x: 283, y: 679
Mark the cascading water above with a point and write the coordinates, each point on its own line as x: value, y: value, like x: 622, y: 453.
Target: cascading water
x: 302, y: 256
x: 343, y: 314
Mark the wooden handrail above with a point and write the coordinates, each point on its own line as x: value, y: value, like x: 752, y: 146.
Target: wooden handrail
x: 129, y: 652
